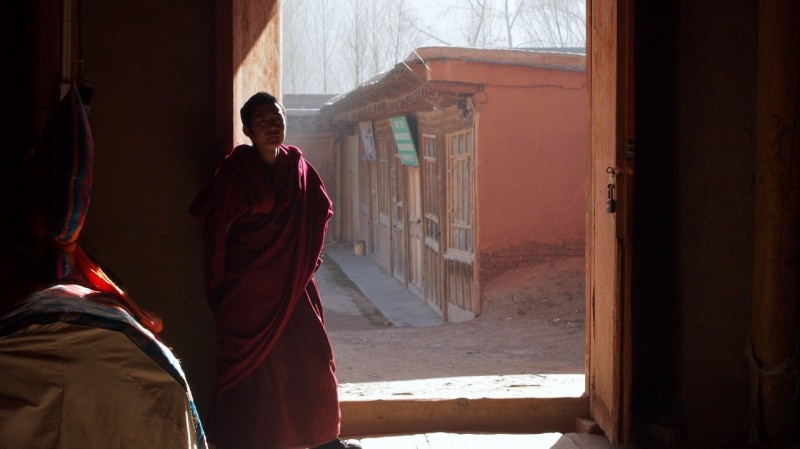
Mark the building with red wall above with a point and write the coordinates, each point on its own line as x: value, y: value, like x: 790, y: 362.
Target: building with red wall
x: 492, y: 179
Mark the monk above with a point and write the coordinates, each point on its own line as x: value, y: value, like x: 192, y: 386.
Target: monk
x: 265, y: 214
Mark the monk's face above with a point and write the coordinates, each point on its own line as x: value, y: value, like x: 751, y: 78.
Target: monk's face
x: 267, y: 128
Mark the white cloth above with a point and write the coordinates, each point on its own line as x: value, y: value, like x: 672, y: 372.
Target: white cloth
x: 71, y: 386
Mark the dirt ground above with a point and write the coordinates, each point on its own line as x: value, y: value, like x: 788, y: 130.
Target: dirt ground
x: 533, y: 323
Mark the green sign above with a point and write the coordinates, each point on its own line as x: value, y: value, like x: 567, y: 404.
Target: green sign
x: 405, y: 142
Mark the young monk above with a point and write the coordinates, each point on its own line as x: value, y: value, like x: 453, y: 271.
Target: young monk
x: 266, y: 212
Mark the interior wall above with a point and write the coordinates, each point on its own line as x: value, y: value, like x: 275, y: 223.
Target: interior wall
x: 255, y: 55
x: 716, y: 173
x: 31, y: 72
x: 698, y: 146
x: 152, y: 118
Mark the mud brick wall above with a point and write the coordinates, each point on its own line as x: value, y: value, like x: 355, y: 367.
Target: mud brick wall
x: 526, y: 254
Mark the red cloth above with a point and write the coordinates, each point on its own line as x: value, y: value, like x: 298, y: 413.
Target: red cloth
x: 264, y: 231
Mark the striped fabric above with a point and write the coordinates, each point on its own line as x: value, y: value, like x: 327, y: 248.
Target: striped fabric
x: 63, y: 167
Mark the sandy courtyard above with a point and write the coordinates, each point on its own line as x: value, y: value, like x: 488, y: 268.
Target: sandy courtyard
x: 533, y: 323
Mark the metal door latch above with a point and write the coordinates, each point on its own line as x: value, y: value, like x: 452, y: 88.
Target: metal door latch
x: 611, y: 202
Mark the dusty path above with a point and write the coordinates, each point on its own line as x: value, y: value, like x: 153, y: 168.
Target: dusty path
x: 533, y: 324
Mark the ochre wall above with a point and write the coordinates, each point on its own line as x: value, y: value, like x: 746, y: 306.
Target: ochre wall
x: 531, y: 141
x: 531, y: 161
x: 255, y: 54
x: 152, y: 119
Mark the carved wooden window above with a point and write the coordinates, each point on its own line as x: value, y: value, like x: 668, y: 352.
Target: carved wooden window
x: 460, y: 194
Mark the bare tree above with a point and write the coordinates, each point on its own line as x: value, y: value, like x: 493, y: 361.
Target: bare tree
x: 323, y: 30
x: 511, y: 12
x: 366, y: 39
x: 334, y: 45
x: 555, y: 23
x: 357, y: 33
x: 379, y: 33
x: 537, y: 23
x: 478, y: 32
x: 296, y: 76
x: 489, y: 23
x: 375, y: 41
x: 402, y: 34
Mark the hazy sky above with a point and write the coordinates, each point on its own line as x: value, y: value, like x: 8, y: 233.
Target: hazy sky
x: 436, y: 14
x: 447, y: 20
x: 313, y: 68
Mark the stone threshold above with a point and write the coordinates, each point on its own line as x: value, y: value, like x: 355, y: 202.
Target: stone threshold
x: 518, y: 404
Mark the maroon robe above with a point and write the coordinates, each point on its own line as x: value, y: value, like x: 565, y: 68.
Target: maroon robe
x: 264, y: 231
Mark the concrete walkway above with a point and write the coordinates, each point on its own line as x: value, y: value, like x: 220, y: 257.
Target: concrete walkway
x: 392, y: 298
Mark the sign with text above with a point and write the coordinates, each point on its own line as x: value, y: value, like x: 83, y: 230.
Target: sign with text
x: 405, y: 142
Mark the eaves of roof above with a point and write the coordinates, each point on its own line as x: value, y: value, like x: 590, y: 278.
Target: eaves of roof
x: 408, y: 87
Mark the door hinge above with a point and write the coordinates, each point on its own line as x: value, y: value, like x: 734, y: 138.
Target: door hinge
x: 630, y: 149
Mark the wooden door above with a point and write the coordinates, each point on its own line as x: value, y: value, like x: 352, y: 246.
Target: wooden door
x: 382, y: 219
x: 398, y: 215
x: 432, y: 206
x: 459, y: 256
x: 350, y: 198
x: 374, y: 217
x: 415, y: 234
x: 610, y: 183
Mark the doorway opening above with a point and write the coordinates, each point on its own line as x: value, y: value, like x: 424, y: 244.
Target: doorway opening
x: 425, y: 223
